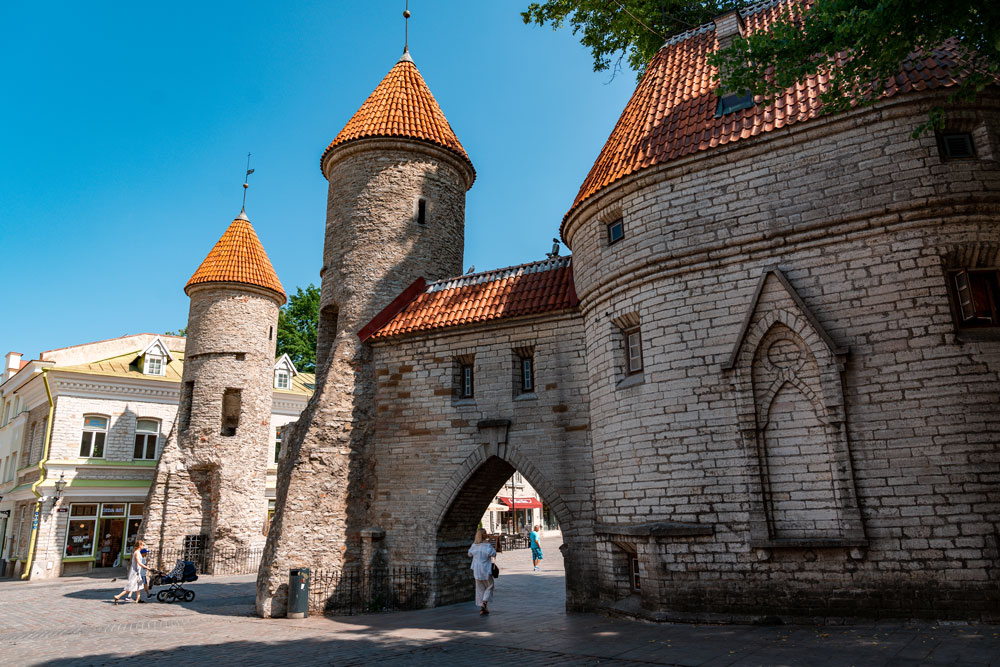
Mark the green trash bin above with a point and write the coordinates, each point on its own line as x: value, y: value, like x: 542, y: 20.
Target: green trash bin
x: 298, y: 593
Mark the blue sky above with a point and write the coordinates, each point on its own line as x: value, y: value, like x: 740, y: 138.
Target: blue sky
x: 126, y: 128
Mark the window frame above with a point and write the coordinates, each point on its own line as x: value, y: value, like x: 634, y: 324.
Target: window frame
x: 92, y: 518
x: 278, y: 375
x: 145, y: 435
x: 617, y: 222
x: 628, y: 333
x: 943, y: 145
x: 467, y: 380
x: 527, y: 367
x: 161, y: 367
x: 964, y: 298
x: 279, y: 439
x: 94, y: 433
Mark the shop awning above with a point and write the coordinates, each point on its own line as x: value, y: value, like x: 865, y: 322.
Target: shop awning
x: 521, y: 503
x: 497, y: 507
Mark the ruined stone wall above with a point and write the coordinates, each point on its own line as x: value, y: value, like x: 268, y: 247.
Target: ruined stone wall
x: 374, y: 248
x: 441, y: 459
x: 208, y: 482
x: 825, y: 445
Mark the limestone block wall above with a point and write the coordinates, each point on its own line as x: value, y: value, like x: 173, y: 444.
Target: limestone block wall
x: 210, y: 479
x: 439, y: 460
x: 896, y: 408
x: 122, y: 414
x: 375, y: 247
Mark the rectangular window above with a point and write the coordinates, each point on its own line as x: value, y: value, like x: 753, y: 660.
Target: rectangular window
x: 977, y: 295
x: 94, y: 432
x: 733, y: 102
x: 80, y: 533
x: 277, y: 443
x: 231, y: 400
x: 147, y: 433
x: 616, y: 230
x: 185, y: 410
x: 633, y: 351
x: 633, y: 569
x: 281, y: 379
x: 468, y: 381
x: 422, y: 211
x: 527, y: 375
x: 154, y: 365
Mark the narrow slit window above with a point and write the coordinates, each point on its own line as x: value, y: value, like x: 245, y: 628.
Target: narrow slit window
x: 633, y: 351
x: 468, y: 381
x: 421, y: 211
x: 185, y: 411
x: 231, y: 399
x: 527, y: 375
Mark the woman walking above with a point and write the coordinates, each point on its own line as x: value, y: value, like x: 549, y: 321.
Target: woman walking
x: 136, y: 573
x: 482, y: 554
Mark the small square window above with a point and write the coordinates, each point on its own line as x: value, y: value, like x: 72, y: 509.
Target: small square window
x: 616, y: 230
x: 633, y: 351
x: 956, y: 145
x: 977, y: 296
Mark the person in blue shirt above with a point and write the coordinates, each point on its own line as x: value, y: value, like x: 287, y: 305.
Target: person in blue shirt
x: 536, y: 546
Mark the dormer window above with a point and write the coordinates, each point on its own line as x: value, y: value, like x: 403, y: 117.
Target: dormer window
x: 734, y: 102
x: 154, y: 358
x: 281, y: 379
x: 154, y: 365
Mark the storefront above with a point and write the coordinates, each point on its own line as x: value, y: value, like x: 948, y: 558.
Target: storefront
x: 521, y: 518
x: 100, y: 534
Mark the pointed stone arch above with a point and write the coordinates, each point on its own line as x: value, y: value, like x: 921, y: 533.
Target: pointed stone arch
x: 782, y: 350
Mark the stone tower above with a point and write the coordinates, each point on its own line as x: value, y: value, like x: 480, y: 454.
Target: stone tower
x: 395, y: 213
x: 209, y: 484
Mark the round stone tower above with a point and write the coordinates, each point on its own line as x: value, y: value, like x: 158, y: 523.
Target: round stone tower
x: 395, y: 213
x: 210, y: 479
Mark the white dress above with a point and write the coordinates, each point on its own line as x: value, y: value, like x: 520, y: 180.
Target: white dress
x: 482, y: 555
x: 134, y: 582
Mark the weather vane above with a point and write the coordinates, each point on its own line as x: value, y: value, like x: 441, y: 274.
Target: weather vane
x: 245, y: 184
x: 406, y: 27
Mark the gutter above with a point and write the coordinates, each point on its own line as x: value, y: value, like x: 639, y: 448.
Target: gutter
x: 33, y: 539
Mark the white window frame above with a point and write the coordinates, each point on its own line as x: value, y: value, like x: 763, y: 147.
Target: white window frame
x: 145, y: 434
x: 282, y: 374
x: 633, y: 351
x: 147, y: 367
x: 93, y: 437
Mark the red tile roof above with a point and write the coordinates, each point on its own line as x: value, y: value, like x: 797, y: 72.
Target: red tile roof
x: 672, y: 111
x: 238, y: 257
x: 401, y: 106
x: 528, y: 289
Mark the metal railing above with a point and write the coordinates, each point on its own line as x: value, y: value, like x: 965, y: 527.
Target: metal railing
x: 359, y: 591
x: 209, y: 561
x: 512, y: 542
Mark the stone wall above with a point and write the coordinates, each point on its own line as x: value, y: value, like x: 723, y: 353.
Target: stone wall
x: 122, y: 414
x: 439, y: 460
x: 374, y: 249
x: 210, y: 480
x: 826, y: 446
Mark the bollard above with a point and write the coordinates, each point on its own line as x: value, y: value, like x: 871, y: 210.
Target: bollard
x: 298, y: 593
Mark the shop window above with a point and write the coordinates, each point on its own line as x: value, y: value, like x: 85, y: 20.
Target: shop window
x: 977, y: 297
x: 616, y: 231
x: 231, y: 400
x: 187, y: 391
x: 95, y: 430
x: 134, y: 524
x: 147, y: 433
x: 80, y: 534
x: 277, y: 442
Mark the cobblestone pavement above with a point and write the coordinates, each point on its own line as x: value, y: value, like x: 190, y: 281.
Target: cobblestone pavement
x: 72, y: 622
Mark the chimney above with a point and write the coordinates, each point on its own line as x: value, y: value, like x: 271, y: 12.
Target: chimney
x: 13, y: 364
x: 727, y: 26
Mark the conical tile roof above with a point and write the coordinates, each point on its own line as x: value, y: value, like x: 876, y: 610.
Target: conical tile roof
x: 238, y: 257
x: 401, y: 106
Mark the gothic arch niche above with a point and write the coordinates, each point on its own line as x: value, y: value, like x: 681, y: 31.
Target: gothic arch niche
x: 786, y: 372
x: 459, y: 510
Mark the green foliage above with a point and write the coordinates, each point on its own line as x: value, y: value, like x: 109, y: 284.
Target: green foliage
x: 632, y: 28
x: 183, y: 331
x: 858, y: 44
x: 297, y: 322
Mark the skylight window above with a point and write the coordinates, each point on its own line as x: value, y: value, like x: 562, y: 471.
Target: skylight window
x: 734, y: 102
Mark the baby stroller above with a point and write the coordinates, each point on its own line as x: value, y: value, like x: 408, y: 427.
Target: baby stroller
x: 184, y: 572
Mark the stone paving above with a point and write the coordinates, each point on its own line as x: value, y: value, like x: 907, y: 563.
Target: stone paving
x: 71, y: 622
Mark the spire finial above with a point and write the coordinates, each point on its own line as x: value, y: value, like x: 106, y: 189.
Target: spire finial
x: 246, y: 185
x: 406, y: 27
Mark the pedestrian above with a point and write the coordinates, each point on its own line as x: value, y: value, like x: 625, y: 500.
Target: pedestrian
x: 136, y: 574
x: 482, y: 555
x: 536, y: 547
x: 106, y: 550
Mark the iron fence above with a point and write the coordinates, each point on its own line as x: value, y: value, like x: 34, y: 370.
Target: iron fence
x: 209, y: 561
x: 359, y: 591
x: 513, y: 542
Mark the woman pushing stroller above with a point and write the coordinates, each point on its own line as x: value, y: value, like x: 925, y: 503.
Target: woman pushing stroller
x: 136, y: 574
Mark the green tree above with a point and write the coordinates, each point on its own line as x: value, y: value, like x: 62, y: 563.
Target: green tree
x: 859, y: 44
x: 183, y: 331
x: 297, y: 322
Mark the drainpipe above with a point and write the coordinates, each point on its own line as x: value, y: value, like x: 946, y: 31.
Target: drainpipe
x: 33, y: 539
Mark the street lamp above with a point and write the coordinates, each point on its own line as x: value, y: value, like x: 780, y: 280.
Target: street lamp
x: 60, y: 484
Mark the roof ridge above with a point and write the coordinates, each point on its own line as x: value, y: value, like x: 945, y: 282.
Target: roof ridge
x: 537, y: 266
x: 749, y: 10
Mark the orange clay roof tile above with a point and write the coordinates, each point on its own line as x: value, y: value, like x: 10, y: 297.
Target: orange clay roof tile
x: 528, y: 289
x: 238, y: 257
x: 672, y: 112
x: 401, y: 106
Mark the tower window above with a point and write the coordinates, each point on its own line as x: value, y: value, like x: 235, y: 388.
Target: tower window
x: 467, y: 378
x: 956, y: 145
x: 616, y: 231
x: 185, y: 409
x: 633, y: 351
x: 527, y: 375
x: 977, y: 294
x: 421, y: 211
x: 231, y: 400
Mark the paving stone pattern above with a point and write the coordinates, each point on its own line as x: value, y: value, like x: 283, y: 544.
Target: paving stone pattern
x: 70, y: 622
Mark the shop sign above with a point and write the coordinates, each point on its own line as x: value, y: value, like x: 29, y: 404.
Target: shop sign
x: 63, y: 509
